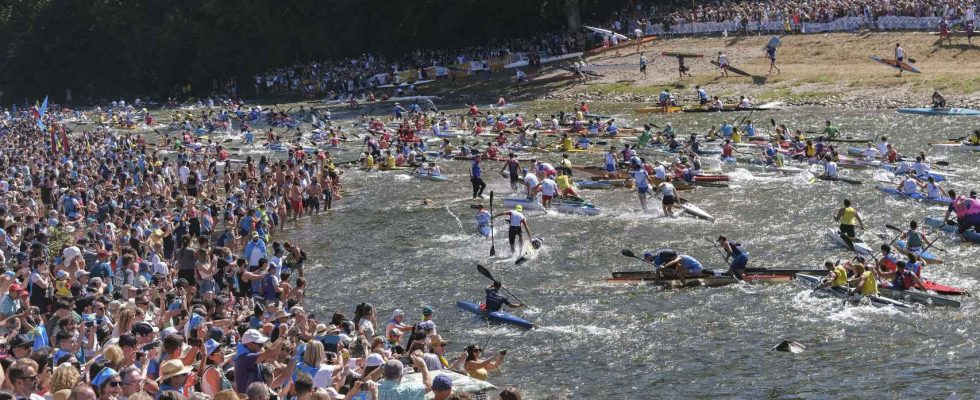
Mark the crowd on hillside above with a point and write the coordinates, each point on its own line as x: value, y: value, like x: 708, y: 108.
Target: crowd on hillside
x: 136, y: 271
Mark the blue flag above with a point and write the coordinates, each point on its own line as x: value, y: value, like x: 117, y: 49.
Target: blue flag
x: 41, y: 111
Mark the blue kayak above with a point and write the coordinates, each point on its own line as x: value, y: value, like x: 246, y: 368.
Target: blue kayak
x: 497, y: 316
x: 594, y: 184
x: 916, y: 196
x: 930, y: 257
x: 938, y: 111
x: 970, y: 235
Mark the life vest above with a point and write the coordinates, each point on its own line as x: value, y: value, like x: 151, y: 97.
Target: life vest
x: 903, y: 281
x: 960, y: 206
x: 972, y: 207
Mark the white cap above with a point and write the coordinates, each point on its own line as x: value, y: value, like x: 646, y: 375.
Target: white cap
x: 254, y: 336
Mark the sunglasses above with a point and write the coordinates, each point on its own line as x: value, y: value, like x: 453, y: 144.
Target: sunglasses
x: 115, y: 383
x: 32, y: 377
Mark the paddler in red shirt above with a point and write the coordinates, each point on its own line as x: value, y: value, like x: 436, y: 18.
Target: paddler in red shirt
x: 584, y: 108
x: 473, y: 110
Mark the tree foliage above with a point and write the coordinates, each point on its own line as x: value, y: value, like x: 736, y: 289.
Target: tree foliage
x: 113, y: 48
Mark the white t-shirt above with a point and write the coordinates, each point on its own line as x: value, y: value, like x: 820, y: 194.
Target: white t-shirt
x: 660, y: 172
x: 368, y: 328
x: 909, y: 186
x: 668, y: 189
x: 324, y: 376
x: 830, y: 169
x: 184, y: 174
x: 549, y: 187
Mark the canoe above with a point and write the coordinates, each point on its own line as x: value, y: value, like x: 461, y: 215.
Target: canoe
x: 649, y: 275
x: 938, y: 223
x: 716, y: 281
x: 609, y: 67
x: 930, y: 257
x: 622, y: 44
x: 732, y: 69
x: 679, y: 54
x: 606, y: 32
x: 711, y: 178
x: 915, y: 196
x: 549, y: 79
x: 877, y: 301
x: 657, y: 109
x: 900, y: 65
x: 915, y: 296
x: 938, y: 111
x: 497, y: 316
x: 860, y: 246
x: 839, y: 179
x: 725, y: 109
x: 565, y: 206
x: 957, y: 146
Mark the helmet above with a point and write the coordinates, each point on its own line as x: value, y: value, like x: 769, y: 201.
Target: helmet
x: 519, y: 208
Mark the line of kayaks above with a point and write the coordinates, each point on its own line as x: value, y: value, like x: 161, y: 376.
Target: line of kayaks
x: 915, y: 196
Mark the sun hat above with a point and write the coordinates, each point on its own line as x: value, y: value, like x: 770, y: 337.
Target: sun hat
x: 172, y: 368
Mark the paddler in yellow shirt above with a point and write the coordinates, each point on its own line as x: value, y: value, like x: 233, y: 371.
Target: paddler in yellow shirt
x: 565, y: 188
x: 865, y: 280
x: 368, y: 161
x: 736, y: 135
x: 836, y: 276
x: 566, y: 143
x: 975, y: 139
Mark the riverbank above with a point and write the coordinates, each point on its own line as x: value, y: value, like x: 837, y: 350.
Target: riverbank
x: 832, y: 70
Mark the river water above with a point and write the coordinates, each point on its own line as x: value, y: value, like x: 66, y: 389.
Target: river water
x: 614, y: 340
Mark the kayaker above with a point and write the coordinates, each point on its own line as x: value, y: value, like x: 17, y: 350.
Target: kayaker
x: 740, y: 259
x: 974, y: 139
x: 829, y: 167
x: 847, y: 215
x: 531, y: 184
x: 549, y: 189
x: 836, y: 276
x: 938, y: 101
x: 967, y: 211
x: 495, y: 301
x: 933, y: 190
x: 920, y: 167
x: 914, y: 264
x: 610, y: 161
x: 870, y: 153
x: 899, y: 56
x: 702, y: 96
x: 723, y: 63
x: 643, y: 183
x: 565, y: 188
x: 901, y: 278
x: 513, y: 168
x: 864, y: 281
x: 483, y: 221
x: 681, y: 266
x: 771, y: 55
x: 887, y: 261
x: 830, y: 130
x: 915, y: 239
x: 475, y: 178
x: 909, y: 185
x: 669, y: 197
x: 517, y: 221
x: 645, y: 137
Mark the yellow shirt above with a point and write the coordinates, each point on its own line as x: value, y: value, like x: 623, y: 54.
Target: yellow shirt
x: 848, y: 217
x: 975, y: 140
x: 736, y: 137
x: 563, y: 182
x: 566, y: 144
x: 869, y: 285
x: 841, y: 279
x: 369, y: 161
x: 390, y: 162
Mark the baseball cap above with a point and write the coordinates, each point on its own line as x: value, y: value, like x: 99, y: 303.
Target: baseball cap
x: 80, y: 273
x: 254, y: 336
x: 426, y: 310
x: 16, y: 288
x: 398, y: 313
x: 210, y: 346
x: 143, y: 328
x: 374, y: 360
x: 442, y: 382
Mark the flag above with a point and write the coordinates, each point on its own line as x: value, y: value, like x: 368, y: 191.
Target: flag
x: 40, y: 113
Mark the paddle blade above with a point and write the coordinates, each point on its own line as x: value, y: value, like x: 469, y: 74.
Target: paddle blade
x: 483, y: 271
x: 520, y: 260
x: 943, y: 163
x: 536, y: 243
x: 892, y: 227
x: 628, y: 253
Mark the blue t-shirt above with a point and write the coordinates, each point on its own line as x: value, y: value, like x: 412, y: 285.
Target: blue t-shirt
x: 475, y: 170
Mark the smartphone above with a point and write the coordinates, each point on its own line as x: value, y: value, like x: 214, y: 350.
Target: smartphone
x: 151, y: 345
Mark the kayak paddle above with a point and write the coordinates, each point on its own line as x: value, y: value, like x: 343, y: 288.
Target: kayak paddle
x: 720, y: 252
x: 493, y: 243
x: 483, y: 271
x: 629, y: 253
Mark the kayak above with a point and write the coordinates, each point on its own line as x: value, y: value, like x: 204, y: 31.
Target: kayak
x: 915, y: 296
x: 938, y: 111
x: 732, y: 69
x: 496, y: 316
x: 957, y: 146
x: 711, y: 178
x: 936, y: 176
x: 566, y: 206
x: 726, y: 109
x: 600, y: 116
x: 691, y: 209
x: 970, y: 235
x: 930, y: 257
x: 679, y: 54
x: 839, y: 179
x: 837, y: 291
x: 606, y: 32
x: 657, y: 109
x: 590, y: 184
x: 709, y: 281
x: 859, y: 246
x: 916, y: 196
x: 430, y: 177
x: 900, y: 65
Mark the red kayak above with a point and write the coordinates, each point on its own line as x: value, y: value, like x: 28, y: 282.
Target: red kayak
x: 711, y: 178
x: 943, y: 289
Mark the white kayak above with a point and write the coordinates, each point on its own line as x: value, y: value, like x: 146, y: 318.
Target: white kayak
x: 690, y: 208
x: 429, y: 177
x: 957, y: 146
x: 565, y: 206
x: 859, y: 246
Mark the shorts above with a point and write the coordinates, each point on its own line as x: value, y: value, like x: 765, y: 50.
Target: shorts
x: 610, y: 167
x: 740, y: 262
x: 643, y: 190
x: 296, y: 204
x: 207, y: 285
x: 848, y: 230
x: 643, y: 68
x: 900, y: 59
x: 669, y: 200
x: 545, y: 197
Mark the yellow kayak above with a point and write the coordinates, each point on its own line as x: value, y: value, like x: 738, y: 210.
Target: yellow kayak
x: 657, y: 109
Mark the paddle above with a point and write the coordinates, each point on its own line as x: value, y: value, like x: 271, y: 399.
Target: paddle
x: 483, y: 271
x: 895, y: 228
x: 629, y: 253
x: 720, y: 252
x: 493, y: 243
